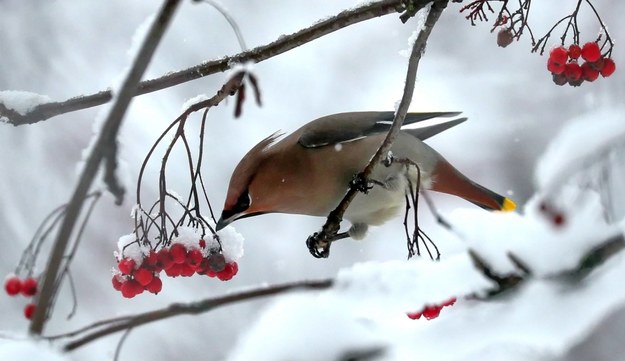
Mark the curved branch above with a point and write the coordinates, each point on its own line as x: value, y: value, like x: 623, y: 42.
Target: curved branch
x: 256, y: 55
x: 107, y: 327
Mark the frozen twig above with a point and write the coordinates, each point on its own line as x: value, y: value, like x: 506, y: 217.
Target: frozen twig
x: 256, y: 55
x: 102, y: 147
x: 319, y: 243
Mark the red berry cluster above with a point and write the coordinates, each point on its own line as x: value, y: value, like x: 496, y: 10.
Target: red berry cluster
x: 176, y: 260
x: 431, y: 312
x: 564, y: 64
x: 13, y: 286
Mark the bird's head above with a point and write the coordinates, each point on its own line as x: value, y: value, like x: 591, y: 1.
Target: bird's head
x: 245, y: 191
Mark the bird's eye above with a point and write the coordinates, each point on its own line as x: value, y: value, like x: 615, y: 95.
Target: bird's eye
x: 243, y: 202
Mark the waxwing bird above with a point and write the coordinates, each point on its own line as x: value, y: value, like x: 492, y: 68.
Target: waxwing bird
x: 309, y: 171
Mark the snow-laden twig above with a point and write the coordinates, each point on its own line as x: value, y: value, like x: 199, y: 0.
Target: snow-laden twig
x: 102, y: 147
x: 256, y: 55
x: 319, y: 243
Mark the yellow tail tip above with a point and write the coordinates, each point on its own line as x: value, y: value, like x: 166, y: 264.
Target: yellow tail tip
x: 508, y: 205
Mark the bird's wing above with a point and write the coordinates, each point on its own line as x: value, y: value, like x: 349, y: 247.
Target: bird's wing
x: 347, y: 127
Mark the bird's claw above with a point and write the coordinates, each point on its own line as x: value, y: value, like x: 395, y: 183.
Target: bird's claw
x: 318, y: 245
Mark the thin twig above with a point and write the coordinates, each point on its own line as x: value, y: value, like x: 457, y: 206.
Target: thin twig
x: 256, y: 55
x: 319, y: 242
x: 101, y: 148
x: 108, y: 327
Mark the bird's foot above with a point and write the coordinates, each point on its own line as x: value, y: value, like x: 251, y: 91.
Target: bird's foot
x: 319, y: 243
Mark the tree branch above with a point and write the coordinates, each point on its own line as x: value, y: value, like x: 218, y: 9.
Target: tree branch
x: 264, y: 52
x: 106, y: 139
x: 591, y: 260
x: 319, y: 242
x: 107, y: 327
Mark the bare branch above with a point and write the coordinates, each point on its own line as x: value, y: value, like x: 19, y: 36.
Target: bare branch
x: 256, y: 55
x: 107, y: 327
x: 319, y: 242
x: 107, y: 136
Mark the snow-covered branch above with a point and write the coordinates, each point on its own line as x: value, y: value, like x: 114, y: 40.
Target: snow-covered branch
x: 46, y: 110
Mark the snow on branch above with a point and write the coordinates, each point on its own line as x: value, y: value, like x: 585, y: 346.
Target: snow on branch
x: 283, y: 44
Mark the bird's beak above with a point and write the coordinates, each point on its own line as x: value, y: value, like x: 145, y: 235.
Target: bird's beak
x: 221, y: 223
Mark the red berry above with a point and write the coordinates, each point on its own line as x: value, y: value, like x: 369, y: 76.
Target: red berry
x: 194, y: 257
x: 210, y: 273
x: 13, y: 285
x: 151, y: 260
x: 589, y: 73
x: 186, y: 270
x: 175, y: 270
x: 449, y: 302
x: 164, y: 259
x: 555, y: 67
x: 608, y: 67
x: 202, y: 267
x: 155, y: 286
x: 202, y: 243
x: 117, y: 283
x: 178, y: 253
x: 558, y: 55
x: 228, y: 272
x: 29, y: 310
x: 131, y: 288
x: 572, y: 72
x: 414, y: 315
x: 29, y: 287
x: 143, y: 276
x: 126, y: 266
x: 558, y: 219
x: 432, y: 312
x: 591, y: 52
x: 575, y: 51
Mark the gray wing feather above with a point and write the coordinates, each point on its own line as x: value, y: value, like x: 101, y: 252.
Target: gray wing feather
x: 347, y: 127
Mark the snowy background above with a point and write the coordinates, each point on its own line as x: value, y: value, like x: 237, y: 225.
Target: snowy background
x: 65, y: 48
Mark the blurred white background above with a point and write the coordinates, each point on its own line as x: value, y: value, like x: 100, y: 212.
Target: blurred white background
x: 65, y: 48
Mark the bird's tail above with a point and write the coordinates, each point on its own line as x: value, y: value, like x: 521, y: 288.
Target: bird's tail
x: 447, y: 179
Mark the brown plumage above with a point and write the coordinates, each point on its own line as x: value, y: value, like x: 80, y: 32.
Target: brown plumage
x: 309, y: 171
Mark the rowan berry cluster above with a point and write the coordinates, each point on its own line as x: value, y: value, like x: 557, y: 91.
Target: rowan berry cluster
x: 14, y: 286
x: 564, y: 64
x: 431, y: 311
x: 132, y: 277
